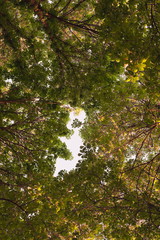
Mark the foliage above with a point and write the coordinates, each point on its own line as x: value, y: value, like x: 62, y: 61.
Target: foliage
x: 101, y: 56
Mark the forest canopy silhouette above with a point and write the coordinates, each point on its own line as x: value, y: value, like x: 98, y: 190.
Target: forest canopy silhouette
x: 102, y: 56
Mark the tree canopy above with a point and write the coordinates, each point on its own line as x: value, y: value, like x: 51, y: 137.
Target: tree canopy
x: 101, y: 56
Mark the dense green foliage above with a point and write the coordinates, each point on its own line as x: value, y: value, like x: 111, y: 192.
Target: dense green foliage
x: 104, y: 57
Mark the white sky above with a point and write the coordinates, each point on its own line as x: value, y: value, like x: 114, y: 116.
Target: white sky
x: 73, y: 145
